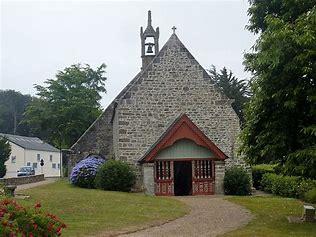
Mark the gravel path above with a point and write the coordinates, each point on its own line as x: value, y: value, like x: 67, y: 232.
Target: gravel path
x: 209, y: 216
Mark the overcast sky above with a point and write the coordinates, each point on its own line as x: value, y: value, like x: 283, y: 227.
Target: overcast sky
x: 40, y: 38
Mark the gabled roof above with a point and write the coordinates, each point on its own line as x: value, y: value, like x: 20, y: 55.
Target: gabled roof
x: 182, y: 128
x: 29, y: 143
x: 172, y: 42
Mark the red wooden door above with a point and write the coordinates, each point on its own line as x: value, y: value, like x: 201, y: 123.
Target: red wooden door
x: 202, y: 177
x: 164, y: 178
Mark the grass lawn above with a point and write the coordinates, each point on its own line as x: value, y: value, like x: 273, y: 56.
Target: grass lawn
x: 270, y: 217
x: 88, y: 211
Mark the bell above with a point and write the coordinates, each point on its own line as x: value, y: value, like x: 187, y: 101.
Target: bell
x: 150, y: 49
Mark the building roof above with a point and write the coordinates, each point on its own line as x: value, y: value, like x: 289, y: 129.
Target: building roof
x: 29, y: 143
x: 172, y: 42
x: 182, y: 128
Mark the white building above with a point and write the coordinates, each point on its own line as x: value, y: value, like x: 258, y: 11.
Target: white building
x: 28, y: 151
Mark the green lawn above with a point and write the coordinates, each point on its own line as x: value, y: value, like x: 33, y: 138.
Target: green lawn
x: 270, y: 217
x: 88, y: 211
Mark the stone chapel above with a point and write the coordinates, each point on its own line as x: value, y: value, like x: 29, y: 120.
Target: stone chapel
x: 170, y: 122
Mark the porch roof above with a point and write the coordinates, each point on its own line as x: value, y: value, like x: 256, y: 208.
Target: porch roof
x: 181, y: 128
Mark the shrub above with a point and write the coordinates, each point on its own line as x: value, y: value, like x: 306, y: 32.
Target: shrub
x: 287, y: 186
x: 115, y: 175
x: 5, y: 151
x: 305, y: 186
x: 3, y: 170
x: 310, y: 196
x: 237, y: 181
x: 83, y: 174
x: 19, y: 221
x: 266, y: 182
x: 258, y: 171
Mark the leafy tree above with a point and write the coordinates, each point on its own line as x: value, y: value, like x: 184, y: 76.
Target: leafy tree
x: 67, y: 106
x: 5, y: 151
x: 12, y: 107
x: 281, y: 116
x: 235, y: 89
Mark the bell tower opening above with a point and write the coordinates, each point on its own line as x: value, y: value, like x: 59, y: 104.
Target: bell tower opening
x: 149, y: 42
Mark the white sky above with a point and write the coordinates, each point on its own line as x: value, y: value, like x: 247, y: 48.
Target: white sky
x: 38, y: 38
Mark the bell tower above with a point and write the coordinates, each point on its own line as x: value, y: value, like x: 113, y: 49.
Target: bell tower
x: 149, y: 40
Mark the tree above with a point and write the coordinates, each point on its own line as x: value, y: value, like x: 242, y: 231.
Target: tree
x: 67, y: 106
x: 235, y: 89
x: 281, y: 116
x: 12, y: 107
x: 5, y: 151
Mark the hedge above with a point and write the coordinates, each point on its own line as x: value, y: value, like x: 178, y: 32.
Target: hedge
x: 287, y: 186
x: 258, y: 171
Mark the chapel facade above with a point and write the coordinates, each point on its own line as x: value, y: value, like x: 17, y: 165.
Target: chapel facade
x: 170, y: 122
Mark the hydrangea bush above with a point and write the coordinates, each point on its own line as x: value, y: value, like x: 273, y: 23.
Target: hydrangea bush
x: 83, y: 174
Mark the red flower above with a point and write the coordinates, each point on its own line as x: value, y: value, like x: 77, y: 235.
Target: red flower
x: 50, y: 227
x: 38, y: 205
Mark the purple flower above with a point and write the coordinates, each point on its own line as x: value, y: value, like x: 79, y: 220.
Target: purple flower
x: 83, y: 174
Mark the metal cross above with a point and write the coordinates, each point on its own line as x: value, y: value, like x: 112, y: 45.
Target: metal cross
x: 174, y: 29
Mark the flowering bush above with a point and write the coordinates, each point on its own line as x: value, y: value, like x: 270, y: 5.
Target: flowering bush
x: 83, y: 174
x: 27, y: 222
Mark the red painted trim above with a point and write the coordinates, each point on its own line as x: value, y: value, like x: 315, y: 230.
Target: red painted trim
x: 163, y: 180
x: 184, y: 128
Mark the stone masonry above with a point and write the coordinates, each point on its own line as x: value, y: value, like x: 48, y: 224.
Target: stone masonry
x: 172, y: 84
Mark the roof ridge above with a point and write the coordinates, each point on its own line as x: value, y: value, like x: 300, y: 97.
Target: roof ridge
x: 29, y: 143
x: 8, y: 134
x: 173, y: 39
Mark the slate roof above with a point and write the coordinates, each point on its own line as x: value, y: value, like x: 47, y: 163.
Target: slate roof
x: 29, y: 143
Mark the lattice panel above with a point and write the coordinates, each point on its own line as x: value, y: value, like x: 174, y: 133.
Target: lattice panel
x: 203, y: 187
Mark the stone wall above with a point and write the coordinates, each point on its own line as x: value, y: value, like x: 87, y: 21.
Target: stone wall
x: 148, y: 178
x: 98, y: 139
x: 22, y: 179
x: 174, y: 84
x: 219, y: 177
